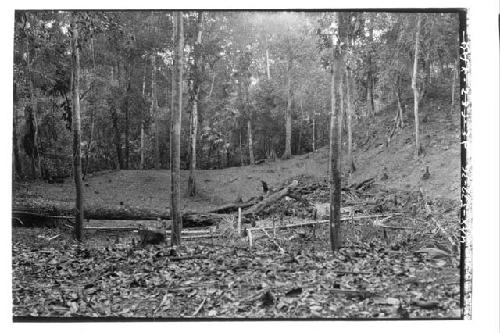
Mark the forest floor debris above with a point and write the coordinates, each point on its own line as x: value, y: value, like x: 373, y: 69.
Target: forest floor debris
x: 111, y: 276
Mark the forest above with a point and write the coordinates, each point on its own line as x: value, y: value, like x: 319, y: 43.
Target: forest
x: 236, y: 164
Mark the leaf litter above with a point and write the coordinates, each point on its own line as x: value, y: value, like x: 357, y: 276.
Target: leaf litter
x: 362, y: 280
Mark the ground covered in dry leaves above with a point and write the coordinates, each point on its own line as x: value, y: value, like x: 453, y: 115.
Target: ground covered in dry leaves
x: 411, y: 273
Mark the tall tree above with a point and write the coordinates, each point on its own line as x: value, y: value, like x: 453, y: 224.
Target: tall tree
x: 36, y: 168
x: 77, y: 162
x: 92, y: 114
x: 248, y: 112
x: 288, y: 113
x: 335, y: 145
x: 369, y: 79
x: 175, y: 142
x: 15, y: 145
x: 154, y: 112
x: 126, y: 110
x: 414, y: 86
x: 350, y: 111
x: 143, y: 132
x: 195, y: 92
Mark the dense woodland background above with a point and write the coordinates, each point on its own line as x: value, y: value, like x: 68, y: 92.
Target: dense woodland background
x: 259, y: 84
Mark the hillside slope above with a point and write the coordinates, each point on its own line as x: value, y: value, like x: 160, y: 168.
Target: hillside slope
x: 151, y: 188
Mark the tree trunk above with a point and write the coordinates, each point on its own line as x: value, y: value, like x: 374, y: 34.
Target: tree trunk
x: 15, y: 145
x: 241, y: 151
x: 173, y: 83
x: 250, y: 142
x: 77, y: 163
x: 194, y: 110
x: 211, y: 86
x: 314, y: 132
x: 192, y: 149
x: 117, y: 141
x: 268, y: 66
x: 154, y: 112
x: 299, y: 146
x: 89, y: 146
x: 288, y: 113
x: 127, y: 120
x: 341, y: 87
x: 400, y: 122
x: 335, y: 238
x: 350, y: 159
x: 414, y: 86
x: 142, y: 120
x: 175, y: 137
x: 35, y: 156
x: 92, y: 120
x: 369, y: 96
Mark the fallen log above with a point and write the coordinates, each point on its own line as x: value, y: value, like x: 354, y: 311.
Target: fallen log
x: 108, y: 212
x: 233, y: 207
x: 51, y: 214
x: 259, y: 207
x: 26, y: 218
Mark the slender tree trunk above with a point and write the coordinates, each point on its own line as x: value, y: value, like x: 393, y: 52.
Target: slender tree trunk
x: 15, y: 145
x: 77, y: 162
x: 194, y: 110
x: 142, y: 120
x: 127, y: 120
x: 92, y: 120
x: 241, y: 151
x: 268, y: 66
x: 299, y: 148
x: 334, y: 174
x: 414, y: 86
x: 400, y: 122
x: 173, y: 83
x: 314, y: 132
x: 175, y: 140
x: 350, y: 111
x: 154, y: 112
x: 369, y: 96
x: 211, y: 86
x: 192, y: 150
x: 341, y: 87
x: 36, y: 169
x: 250, y: 142
x: 288, y: 113
x: 89, y: 146
x: 117, y: 141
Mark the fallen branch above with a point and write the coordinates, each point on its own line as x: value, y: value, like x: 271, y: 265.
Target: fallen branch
x: 364, y: 184
x: 199, y: 307
x: 259, y: 207
x: 297, y: 225
x: 380, y: 224
x: 233, y: 207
